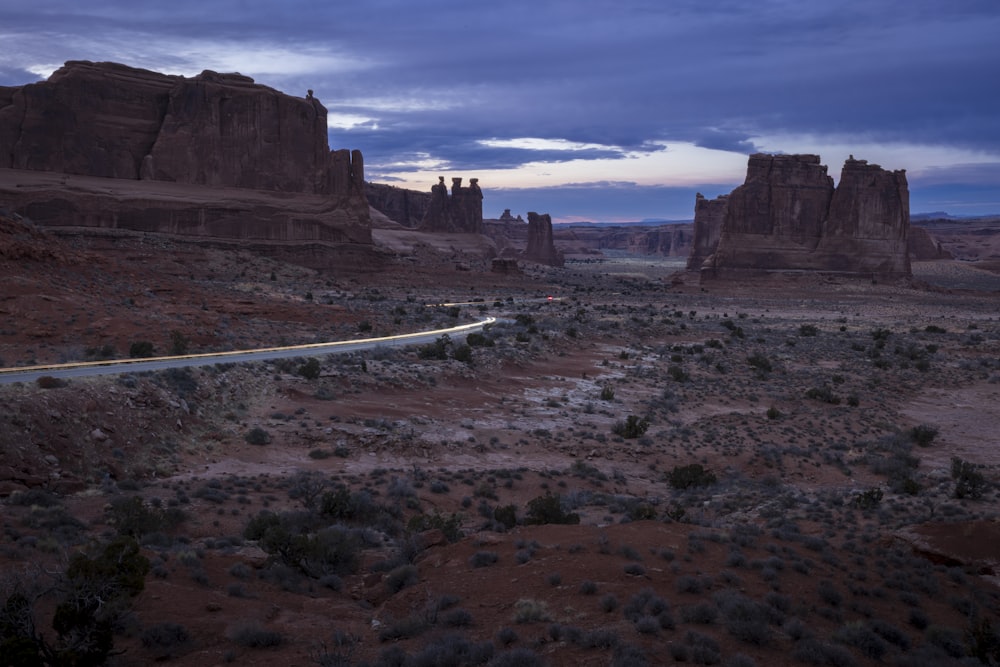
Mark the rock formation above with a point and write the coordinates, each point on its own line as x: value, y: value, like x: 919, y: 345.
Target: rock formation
x: 407, y: 207
x: 708, y: 217
x: 540, y: 246
x: 787, y: 216
x: 924, y: 247
x: 213, y: 131
x: 461, y: 212
x: 507, y: 217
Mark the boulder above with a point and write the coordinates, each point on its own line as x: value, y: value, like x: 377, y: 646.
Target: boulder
x: 788, y: 216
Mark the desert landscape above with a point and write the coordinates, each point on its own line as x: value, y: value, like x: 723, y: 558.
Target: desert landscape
x: 638, y: 463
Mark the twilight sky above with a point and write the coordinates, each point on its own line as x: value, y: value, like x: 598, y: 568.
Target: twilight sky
x: 585, y: 109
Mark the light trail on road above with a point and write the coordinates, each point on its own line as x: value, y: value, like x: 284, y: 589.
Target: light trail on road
x: 112, y: 366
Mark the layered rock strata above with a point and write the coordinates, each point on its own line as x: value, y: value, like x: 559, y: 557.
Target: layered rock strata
x: 164, y: 144
x: 788, y: 216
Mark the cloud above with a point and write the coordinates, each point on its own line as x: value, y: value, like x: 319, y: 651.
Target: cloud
x: 427, y: 83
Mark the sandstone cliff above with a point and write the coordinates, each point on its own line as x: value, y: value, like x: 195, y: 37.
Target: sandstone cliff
x: 787, y: 216
x: 166, y: 143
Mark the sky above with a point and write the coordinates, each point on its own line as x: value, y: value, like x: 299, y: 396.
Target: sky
x: 610, y: 110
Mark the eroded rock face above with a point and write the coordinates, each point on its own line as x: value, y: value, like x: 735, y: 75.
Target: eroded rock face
x: 407, y: 207
x: 114, y: 121
x: 540, y: 245
x: 787, y: 216
x: 202, y: 136
x: 461, y: 211
x: 708, y: 217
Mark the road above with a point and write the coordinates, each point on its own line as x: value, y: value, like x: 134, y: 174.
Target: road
x: 110, y: 367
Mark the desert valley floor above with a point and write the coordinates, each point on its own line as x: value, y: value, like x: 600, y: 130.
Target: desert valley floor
x: 640, y: 470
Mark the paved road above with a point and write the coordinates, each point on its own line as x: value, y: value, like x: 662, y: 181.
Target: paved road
x: 83, y: 369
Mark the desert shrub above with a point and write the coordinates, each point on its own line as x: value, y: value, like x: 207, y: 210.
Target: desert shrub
x: 166, y: 640
x: 808, y: 330
x: 863, y: 638
x: 130, y: 516
x: 969, y: 482
x: 253, y: 635
x: 746, y: 619
x: 34, y: 497
x: 462, y: 353
x: 890, y: 633
x: 401, y: 577
x: 703, y: 613
x: 49, y: 382
x: 518, y: 657
x: 829, y: 594
x: 609, y: 603
x: 814, y: 652
x: 773, y: 413
x: 311, y: 369
x: 678, y: 374
x: 868, y: 500
x: 506, y: 515
x: 530, y: 611
x: 548, y: 509
x: 450, y: 525
x: 506, y: 636
x: 760, y: 362
x: 685, y: 477
x: 947, y: 639
x: 476, y: 339
x: 633, y: 427
x: 257, y: 436
x: 457, y: 618
x: 332, y: 550
x: 607, y: 393
x: 824, y: 394
x: 436, y: 350
x: 140, y: 349
x: 702, y: 649
x: 178, y: 343
x: 922, y: 435
x: 483, y: 559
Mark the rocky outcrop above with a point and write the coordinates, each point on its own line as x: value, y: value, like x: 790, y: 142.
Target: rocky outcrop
x: 166, y: 143
x: 540, y: 244
x: 407, y: 207
x: 787, y: 216
x: 708, y: 217
x: 461, y: 211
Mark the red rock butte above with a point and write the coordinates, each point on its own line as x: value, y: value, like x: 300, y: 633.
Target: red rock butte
x: 215, y: 157
x: 788, y: 216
